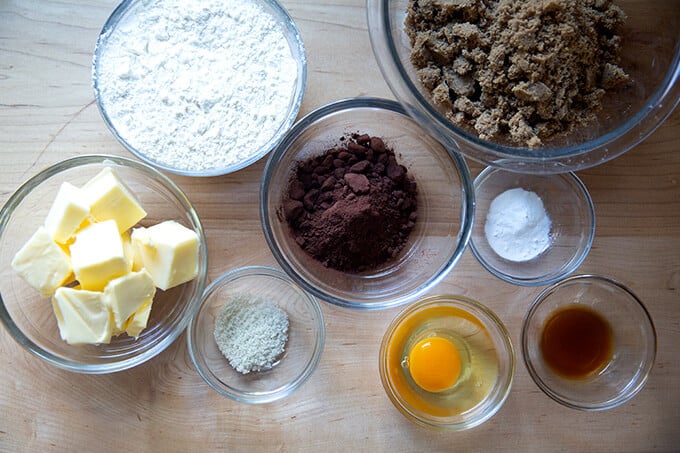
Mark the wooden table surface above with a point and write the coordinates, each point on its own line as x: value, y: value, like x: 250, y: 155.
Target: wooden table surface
x: 47, y: 113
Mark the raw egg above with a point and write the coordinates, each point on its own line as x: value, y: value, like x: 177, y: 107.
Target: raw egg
x: 434, y: 364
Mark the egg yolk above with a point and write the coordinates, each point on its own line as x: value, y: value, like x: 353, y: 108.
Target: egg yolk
x: 434, y: 364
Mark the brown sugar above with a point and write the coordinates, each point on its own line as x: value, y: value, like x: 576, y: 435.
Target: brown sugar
x: 517, y: 72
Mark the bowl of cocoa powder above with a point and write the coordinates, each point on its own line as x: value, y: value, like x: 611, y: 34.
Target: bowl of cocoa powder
x: 362, y: 207
x: 537, y: 86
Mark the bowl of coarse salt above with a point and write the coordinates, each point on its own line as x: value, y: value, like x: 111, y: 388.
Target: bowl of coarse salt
x: 199, y: 88
x: 257, y: 336
x: 531, y: 229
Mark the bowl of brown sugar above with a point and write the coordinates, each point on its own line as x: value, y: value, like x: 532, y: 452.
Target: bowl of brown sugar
x: 362, y: 207
x: 537, y: 86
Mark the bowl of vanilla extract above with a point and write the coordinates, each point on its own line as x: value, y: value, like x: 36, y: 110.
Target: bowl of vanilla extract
x: 589, y: 342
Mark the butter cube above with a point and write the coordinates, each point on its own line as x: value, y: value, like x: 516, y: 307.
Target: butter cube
x: 133, y: 266
x: 127, y: 294
x: 139, y: 320
x: 83, y: 316
x: 169, y: 251
x: 97, y: 255
x: 42, y: 263
x: 68, y: 211
x: 110, y: 199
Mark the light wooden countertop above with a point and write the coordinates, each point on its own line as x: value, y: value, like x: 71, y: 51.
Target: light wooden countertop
x: 47, y: 113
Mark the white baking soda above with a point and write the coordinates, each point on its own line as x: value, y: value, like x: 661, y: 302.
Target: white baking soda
x: 197, y: 84
x: 517, y: 225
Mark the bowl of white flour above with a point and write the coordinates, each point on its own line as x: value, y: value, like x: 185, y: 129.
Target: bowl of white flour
x: 530, y: 229
x: 199, y: 87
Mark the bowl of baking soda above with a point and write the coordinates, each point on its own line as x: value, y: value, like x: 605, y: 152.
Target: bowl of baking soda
x: 363, y: 208
x: 530, y: 229
x: 199, y: 88
x: 257, y: 336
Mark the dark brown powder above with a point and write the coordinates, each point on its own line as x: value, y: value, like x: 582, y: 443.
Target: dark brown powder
x: 515, y: 71
x: 353, y: 207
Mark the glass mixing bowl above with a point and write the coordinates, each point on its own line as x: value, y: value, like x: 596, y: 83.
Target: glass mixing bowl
x: 444, y: 214
x: 572, y: 225
x: 29, y: 318
x: 633, y: 343
x: 485, y: 353
x: 650, y: 53
x: 201, y: 90
x: 302, y: 351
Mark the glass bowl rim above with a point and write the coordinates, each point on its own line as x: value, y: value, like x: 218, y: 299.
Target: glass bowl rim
x: 266, y: 396
x: 43, y: 175
x: 467, y: 201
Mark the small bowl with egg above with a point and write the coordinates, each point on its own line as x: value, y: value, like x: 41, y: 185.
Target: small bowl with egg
x: 568, y: 86
x: 447, y: 362
x: 257, y: 336
x: 589, y: 343
x: 531, y: 229
x: 362, y: 207
x: 103, y: 262
x: 200, y: 88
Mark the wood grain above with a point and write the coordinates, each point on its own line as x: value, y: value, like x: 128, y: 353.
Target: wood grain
x: 47, y: 113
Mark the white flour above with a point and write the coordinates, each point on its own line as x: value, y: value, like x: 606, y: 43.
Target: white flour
x: 197, y: 84
x: 517, y: 226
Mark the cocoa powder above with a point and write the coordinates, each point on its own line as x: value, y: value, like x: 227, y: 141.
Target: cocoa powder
x: 352, y: 207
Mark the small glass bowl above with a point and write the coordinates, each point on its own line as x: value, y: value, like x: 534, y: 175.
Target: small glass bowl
x: 633, y: 335
x: 650, y: 52
x: 572, y: 215
x: 126, y: 12
x: 29, y: 318
x: 306, y: 336
x: 481, y: 338
x: 445, y: 205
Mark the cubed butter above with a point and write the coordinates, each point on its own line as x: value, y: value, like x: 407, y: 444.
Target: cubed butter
x: 83, y: 316
x: 110, y: 199
x: 169, y: 251
x: 97, y: 255
x: 137, y: 323
x: 42, y: 263
x: 134, y: 265
x: 68, y: 211
x: 127, y: 294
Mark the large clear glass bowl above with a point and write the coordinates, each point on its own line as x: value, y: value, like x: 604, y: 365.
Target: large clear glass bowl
x: 650, y: 54
x: 29, y: 318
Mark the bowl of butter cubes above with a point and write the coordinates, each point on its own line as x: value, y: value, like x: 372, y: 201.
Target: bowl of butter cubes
x: 103, y: 262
